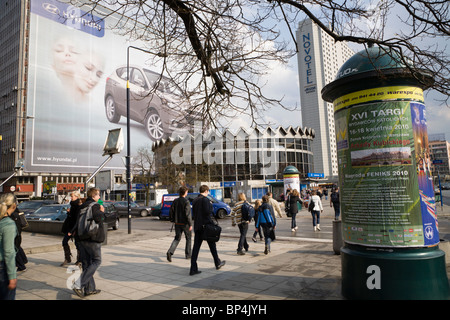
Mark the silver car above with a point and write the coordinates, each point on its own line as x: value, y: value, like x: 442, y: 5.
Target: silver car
x: 154, y: 102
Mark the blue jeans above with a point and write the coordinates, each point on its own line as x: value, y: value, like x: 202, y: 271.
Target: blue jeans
x: 315, y: 214
x: 293, y: 222
x: 5, y: 293
x: 91, y: 258
x: 266, y: 227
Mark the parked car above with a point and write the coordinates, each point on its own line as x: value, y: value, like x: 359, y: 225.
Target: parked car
x: 156, y: 210
x: 221, y: 209
x: 154, y: 101
x: 445, y: 186
x: 31, y: 206
x: 52, y: 212
x: 111, y: 215
x: 122, y: 208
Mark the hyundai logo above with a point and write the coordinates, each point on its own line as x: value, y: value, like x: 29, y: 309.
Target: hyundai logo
x: 50, y: 8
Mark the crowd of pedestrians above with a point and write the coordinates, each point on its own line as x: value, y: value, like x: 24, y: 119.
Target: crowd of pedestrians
x: 263, y: 213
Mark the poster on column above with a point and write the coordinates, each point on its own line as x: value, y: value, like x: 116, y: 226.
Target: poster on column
x: 387, y: 195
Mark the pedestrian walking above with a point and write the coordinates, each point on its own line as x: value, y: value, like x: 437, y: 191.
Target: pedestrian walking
x: 90, y: 249
x: 275, y: 205
x: 335, y: 203
x: 294, y: 203
x: 21, y: 257
x: 267, y: 221
x: 237, y: 218
x: 8, y: 232
x: 68, y: 225
x: 316, y: 210
x: 202, y: 210
x: 258, y: 204
x: 180, y: 215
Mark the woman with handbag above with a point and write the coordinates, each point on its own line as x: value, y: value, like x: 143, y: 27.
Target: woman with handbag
x: 266, y: 219
x: 316, y: 209
x: 202, y: 210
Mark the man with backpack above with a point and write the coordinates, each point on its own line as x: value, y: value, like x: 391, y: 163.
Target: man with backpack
x: 335, y: 203
x: 90, y: 246
x: 241, y: 215
x: 180, y: 215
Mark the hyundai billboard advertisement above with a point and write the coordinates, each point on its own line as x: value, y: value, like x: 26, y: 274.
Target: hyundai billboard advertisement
x: 77, y: 75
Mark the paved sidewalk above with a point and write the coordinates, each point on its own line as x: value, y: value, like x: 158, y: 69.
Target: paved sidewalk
x: 134, y: 267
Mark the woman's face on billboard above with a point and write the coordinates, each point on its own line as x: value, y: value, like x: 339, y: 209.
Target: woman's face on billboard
x: 65, y: 57
x: 89, y: 72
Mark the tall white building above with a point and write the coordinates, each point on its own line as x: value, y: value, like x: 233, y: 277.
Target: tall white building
x: 319, y: 60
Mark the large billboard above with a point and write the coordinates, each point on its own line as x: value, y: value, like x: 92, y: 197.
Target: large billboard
x: 77, y: 72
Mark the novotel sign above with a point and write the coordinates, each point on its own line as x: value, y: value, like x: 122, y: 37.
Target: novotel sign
x: 308, y: 59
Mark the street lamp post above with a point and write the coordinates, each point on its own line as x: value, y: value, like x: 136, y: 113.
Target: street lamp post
x: 128, y: 156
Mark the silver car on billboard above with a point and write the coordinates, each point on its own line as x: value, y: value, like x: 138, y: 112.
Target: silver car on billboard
x: 154, y: 101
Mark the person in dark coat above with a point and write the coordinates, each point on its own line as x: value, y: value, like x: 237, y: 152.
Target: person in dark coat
x: 202, y: 210
x: 68, y: 225
x: 21, y: 257
x: 180, y: 215
x: 294, y: 198
x: 90, y: 249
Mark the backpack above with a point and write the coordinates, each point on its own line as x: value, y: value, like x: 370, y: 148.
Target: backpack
x: 86, y: 226
x: 335, y: 197
x: 247, y: 211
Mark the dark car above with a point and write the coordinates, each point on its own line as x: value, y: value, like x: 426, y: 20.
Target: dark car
x: 52, y: 212
x: 154, y: 101
x: 156, y: 210
x: 122, y: 208
x: 111, y: 215
x: 31, y: 206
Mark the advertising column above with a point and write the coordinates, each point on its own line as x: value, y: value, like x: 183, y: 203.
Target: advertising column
x: 291, y: 178
x: 389, y: 222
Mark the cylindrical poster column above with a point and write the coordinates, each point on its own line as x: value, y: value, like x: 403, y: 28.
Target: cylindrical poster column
x: 291, y: 178
x: 387, y: 199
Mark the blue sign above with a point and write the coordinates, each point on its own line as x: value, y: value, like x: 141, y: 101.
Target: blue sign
x: 315, y: 175
x: 228, y: 184
x: 70, y: 16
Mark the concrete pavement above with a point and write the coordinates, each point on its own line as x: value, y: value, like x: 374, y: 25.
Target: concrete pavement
x: 301, y: 265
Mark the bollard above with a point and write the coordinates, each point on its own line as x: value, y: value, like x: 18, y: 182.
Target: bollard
x: 338, y: 243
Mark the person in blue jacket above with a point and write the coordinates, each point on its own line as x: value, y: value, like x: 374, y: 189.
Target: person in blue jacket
x: 266, y: 219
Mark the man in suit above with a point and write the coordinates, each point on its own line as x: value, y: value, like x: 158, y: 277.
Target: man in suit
x: 202, y: 210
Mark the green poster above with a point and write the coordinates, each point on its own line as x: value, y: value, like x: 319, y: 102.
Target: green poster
x: 380, y: 198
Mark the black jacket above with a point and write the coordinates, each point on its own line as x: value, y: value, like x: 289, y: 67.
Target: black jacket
x: 202, y: 210
x: 99, y: 217
x: 180, y: 211
x: 293, y: 208
x: 72, y: 216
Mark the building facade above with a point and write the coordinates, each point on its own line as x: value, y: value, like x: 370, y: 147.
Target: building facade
x: 248, y: 160
x: 319, y: 59
x: 440, y: 158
